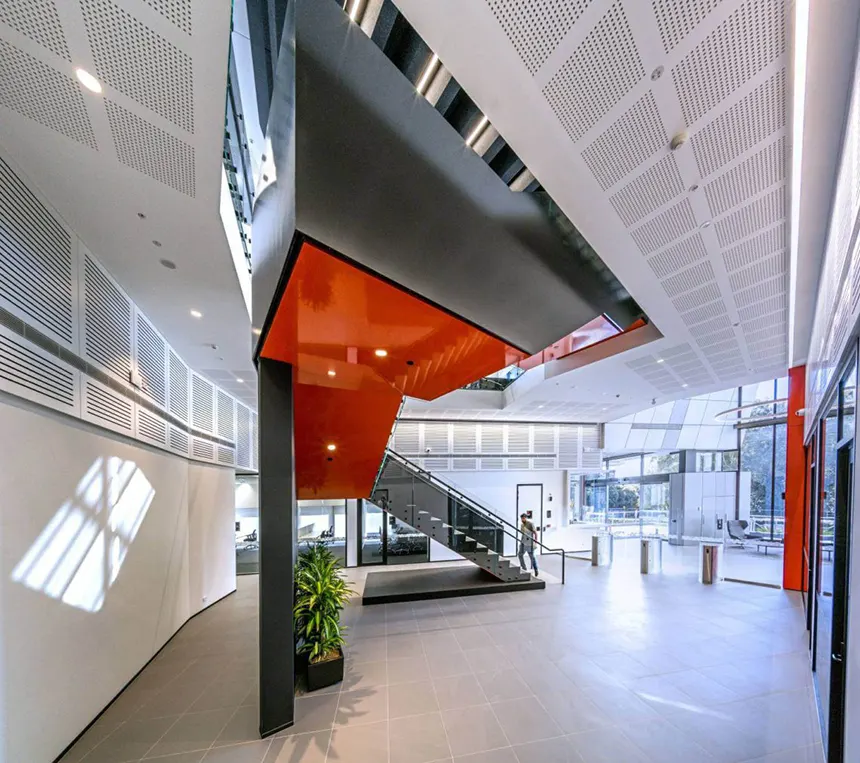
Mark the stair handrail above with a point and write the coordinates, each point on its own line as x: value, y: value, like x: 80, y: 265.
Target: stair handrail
x: 470, y: 503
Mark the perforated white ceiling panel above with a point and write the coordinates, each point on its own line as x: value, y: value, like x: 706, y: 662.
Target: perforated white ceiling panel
x: 134, y: 171
x: 696, y: 234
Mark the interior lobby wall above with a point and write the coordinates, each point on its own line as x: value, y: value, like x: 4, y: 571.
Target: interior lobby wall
x: 498, y: 492
x: 106, y: 548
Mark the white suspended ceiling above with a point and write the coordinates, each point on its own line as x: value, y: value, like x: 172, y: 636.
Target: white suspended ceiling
x: 139, y: 163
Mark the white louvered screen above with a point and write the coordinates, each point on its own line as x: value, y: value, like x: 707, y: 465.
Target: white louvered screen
x: 37, y: 275
x: 178, y: 387
x: 435, y: 440
x: 464, y: 439
x: 29, y: 372
x: 255, y: 442
x: 568, y: 447
x: 150, y: 353
x: 406, y: 438
x: 202, y: 404
x: 202, y: 450
x: 543, y: 463
x: 226, y: 416
x: 151, y: 428
x: 518, y: 441
x: 106, y: 407
x: 107, y: 315
x: 243, y: 436
x: 226, y: 455
x: 178, y: 441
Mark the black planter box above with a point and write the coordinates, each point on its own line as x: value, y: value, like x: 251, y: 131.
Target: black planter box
x: 322, y: 674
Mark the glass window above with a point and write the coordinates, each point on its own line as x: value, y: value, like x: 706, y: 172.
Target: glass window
x: 662, y: 463
x: 247, y: 525
x: 781, y: 432
x: 757, y: 459
x: 730, y: 461
x: 624, y: 467
x: 846, y: 403
x: 326, y: 521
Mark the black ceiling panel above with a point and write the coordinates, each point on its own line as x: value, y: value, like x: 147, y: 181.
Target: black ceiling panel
x: 381, y: 179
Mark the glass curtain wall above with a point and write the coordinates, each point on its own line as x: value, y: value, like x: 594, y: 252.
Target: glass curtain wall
x: 324, y: 521
x: 247, y: 524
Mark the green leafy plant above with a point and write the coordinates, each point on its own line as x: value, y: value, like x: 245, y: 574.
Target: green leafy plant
x: 321, y: 593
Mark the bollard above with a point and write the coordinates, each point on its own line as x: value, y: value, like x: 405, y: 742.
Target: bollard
x: 709, y: 562
x: 601, y: 549
x: 650, y: 556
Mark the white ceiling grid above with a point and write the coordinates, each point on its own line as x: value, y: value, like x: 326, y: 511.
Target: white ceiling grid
x: 708, y: 219
x: 150, y: 144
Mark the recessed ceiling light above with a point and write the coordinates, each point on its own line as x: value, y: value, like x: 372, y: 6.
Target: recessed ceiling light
x: 428, y: 73
x: 196, y: 314
x: 332, y: 372
x: 380, y: 353
x: 331, y: 446
x: 256, y: 332
x: 661, y: 360
x: 683, y: 385
x: 88, y: 81
x: 169, y: 264
x: 241, y: 381
x: 479, y: 128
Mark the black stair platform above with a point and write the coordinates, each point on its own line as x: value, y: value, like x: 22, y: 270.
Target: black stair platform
x: 421, y: 584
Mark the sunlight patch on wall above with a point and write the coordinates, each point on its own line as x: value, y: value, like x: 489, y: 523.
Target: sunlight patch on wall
x: 79, y: 554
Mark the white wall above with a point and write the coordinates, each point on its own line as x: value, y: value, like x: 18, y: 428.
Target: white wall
x: 82, y: 614
x: 498, y: 492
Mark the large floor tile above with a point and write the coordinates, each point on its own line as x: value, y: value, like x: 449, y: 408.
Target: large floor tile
x: 660, y: 741
x: 525, y: 720
x: 313, y: 714
x: 359, y: 744
x: 607, y: 745
x: 503, y: 684
x: 301, y: 748
x: 193, y: 731
x: 473, y: 729
x: 412, y: 699
x: 249, y: 752
x: 417, y: 739
x: 503, y: 755
x: 362, y: 706
x: 558, y: 750
x: 131, y: 741
x: 459, y: 691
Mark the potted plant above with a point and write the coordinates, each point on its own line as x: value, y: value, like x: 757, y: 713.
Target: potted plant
x: 321, y: 593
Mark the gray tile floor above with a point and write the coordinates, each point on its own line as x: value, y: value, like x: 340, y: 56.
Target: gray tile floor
x: 610, y: 668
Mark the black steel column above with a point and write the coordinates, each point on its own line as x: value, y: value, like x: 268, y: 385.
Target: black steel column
x: 277, y: 538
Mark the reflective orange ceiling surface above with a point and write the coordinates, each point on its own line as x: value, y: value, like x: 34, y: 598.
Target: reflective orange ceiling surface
x: 357, y: 344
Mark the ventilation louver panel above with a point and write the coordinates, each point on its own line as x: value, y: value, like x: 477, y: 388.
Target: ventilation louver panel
x: 518, y: 463
x: 107, y: 321
x: 225, y: 455
x: 179, y: 441
x: 492, y: 438
x: 202, y: 404
x: 255, y: 442
x: 464, y: 464
x: 519, y: 439
x: 201, y: 449
x: 543, y: 463
x: 226, y: 416
x: 107, y: 408
x: 36, y: 267
x: 436, y: 438
x: 151, y: 428
x: 151, y: 361
x: 568, y: 447
x: 464, y: 438
x: 243, y: 436
x: 178, y: 388
x: 31, y: 373
x: 406, y: 438
x: 492, y: 464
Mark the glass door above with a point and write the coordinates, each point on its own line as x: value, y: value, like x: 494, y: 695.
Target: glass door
x: 371, y: 536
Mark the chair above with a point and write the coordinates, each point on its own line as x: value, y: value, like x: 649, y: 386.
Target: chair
x: 737, y: 529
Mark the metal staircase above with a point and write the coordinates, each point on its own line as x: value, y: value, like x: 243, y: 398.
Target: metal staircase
x: 439, y: 511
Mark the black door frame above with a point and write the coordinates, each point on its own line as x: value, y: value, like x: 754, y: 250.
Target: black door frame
x: 517, y: 517
x: 841, y: 571
x: 360, y: 535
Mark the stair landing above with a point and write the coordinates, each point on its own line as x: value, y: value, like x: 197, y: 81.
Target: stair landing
x: 386, y: 587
